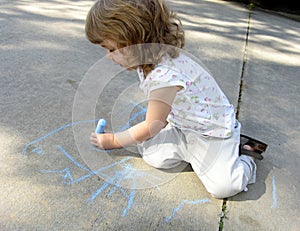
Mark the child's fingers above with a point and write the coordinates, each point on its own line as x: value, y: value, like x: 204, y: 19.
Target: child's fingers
x: 94, y: 139
x: 94, y: 135
x: 94, y: 142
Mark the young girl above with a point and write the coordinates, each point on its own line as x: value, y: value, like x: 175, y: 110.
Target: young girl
x: 188, y: 116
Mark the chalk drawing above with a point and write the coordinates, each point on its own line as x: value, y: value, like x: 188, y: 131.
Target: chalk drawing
x: 67, y: 177
x: 175, y: 210
x: 127, y: 172
x: 38, y: 150
x: 113, y: 183
x: 274, y: 205
x: 141, y: 113
x: 25, y: 150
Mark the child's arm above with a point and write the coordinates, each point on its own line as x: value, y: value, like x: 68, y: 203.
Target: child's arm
x: 159, y: 107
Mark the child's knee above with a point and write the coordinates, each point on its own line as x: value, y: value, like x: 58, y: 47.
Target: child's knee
x: 226, y: 190
x: 161, y: 163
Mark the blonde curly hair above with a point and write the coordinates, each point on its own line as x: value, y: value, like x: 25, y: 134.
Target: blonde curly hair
x: 131, y: 22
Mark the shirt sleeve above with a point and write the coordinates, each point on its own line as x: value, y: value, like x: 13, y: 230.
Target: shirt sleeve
x: 162, y: 77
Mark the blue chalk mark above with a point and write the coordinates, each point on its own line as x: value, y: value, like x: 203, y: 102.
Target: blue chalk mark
x: 136, y: 104
x: 38, y: 150
x: 115, y: 180
x: 130, y: 199
x: 95, y: 194
x: 142, y: 113
x: 128, y: 124
x: 175, y: 210
x: 116, y: 186
x: 127, y: 173
x: 112, y: 165
x: 76, y: 163
x: 60, y: 148
x: 100, y: 126
x: 274, y: 206
x: 53, y: 132
x: 67, y: 177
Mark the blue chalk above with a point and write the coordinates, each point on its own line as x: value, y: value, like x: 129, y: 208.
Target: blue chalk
x: 100, y: 126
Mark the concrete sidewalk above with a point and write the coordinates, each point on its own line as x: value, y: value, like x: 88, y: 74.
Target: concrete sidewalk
x: 44, y: 181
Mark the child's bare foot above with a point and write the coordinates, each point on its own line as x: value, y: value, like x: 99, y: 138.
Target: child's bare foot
x: 248, y: 147
x: 252, y: 147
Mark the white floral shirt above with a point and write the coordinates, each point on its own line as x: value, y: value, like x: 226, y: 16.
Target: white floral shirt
x: 201, y: 105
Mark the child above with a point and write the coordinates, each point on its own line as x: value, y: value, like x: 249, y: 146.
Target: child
x: 188, y: 116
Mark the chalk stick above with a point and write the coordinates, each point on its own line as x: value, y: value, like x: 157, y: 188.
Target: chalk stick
x: 100, y: 126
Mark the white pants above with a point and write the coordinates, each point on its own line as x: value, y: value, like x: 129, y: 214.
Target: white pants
x: 215, y: 161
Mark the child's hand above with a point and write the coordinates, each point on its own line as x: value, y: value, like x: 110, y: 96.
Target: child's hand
x: 103, y: 140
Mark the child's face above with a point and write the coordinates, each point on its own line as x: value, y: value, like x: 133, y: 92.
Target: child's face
x: 113, y: 53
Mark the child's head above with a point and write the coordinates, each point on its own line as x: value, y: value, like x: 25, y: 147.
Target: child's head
x: 130, y: 22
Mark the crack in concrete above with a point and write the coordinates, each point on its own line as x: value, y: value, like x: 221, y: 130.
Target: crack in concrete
x: 223, y: 214
x: 245, y: 58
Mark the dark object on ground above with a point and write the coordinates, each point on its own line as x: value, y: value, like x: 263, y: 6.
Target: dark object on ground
x: 258, y: 147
